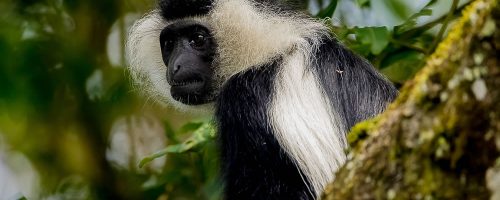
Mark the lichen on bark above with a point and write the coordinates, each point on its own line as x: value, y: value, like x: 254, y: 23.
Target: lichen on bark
x: 441, y: 138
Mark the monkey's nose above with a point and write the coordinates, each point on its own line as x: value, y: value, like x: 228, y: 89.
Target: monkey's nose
x: 185, y: 75
x: 176, y: 69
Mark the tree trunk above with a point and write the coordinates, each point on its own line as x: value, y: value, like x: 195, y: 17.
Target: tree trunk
x: 441, y: 138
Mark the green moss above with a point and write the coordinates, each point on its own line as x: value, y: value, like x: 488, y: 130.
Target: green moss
x: 360, y: 131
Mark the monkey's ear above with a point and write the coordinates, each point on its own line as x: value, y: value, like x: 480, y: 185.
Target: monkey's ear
x: 174, y: 9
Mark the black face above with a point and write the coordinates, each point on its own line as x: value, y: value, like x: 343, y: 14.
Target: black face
x: 188, y: 51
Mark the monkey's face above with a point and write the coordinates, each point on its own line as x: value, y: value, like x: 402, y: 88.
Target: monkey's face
x: 188, y: 50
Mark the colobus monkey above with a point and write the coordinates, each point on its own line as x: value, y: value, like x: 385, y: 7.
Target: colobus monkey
x: 283, y: 90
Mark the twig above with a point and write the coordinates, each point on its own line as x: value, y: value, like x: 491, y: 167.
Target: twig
x: 443, y: 28
x: 410, y: 46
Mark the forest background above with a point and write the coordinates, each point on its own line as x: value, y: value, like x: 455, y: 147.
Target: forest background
x: 73, y: 126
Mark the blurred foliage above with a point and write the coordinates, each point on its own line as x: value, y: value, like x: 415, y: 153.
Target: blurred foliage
x: 202, y: 134
x: 62, y: 94
x: 398, y: 51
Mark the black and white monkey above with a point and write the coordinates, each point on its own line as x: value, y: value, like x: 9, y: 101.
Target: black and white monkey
x: 283, y: 90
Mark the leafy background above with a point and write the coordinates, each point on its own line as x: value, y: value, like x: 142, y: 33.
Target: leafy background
x: 73, y: 127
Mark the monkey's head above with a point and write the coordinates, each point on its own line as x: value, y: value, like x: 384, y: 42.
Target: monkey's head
x: 182, y: 53
x: 172, y: 55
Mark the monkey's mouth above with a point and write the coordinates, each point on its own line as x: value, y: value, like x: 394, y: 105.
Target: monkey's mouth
x: 188, y: 82
x: 191, y: 91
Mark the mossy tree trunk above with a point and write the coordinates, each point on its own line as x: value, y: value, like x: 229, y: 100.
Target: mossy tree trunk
x: 441, y: 138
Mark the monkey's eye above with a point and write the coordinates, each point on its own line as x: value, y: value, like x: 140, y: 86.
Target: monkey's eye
x: 169, y: 43
x: 197, y: 41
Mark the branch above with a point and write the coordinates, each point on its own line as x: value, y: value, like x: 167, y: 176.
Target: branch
x: 437, y: 140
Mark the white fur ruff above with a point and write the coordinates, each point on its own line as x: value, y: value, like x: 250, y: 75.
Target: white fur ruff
x: 306, y: 125
x: 248, y: 37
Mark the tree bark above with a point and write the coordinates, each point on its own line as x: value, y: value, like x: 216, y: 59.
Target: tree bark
x: 441, y: 138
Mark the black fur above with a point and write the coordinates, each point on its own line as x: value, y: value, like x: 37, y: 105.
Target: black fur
x: 175, y: 9
x: 353, y: 86
x: 255, y: 167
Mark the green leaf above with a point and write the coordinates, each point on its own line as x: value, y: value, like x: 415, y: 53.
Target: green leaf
x: 190, y: 127
x: 169, y: 132
x: 361, y: 49
x: 402, y: 66
x: 411, y: 22
x: 362, y: 3
x: 376, y: 37
x: 398, y: 8
x: 329, y: 10
x: 204, y: 133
